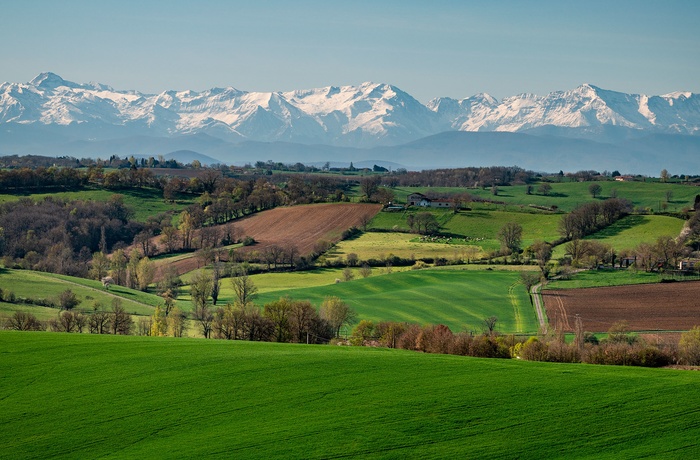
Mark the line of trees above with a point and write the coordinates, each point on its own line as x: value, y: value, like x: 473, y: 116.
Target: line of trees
x: 116, y: 320
x: 592, y: 217
x: 460, y: 177
x: 619, y: 347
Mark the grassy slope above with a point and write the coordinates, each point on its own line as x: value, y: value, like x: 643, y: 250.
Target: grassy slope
x: 568, y: 195
x: 140, y: 397
x: 603, y: 278
x: 630, y: 231
x: 460, y: 299
x: 144, y: 202
x: 30, y: 284
x: 480, y: 224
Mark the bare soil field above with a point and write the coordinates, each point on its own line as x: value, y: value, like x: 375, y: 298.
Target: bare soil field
x: 299, y: 226
x: 645, y: 307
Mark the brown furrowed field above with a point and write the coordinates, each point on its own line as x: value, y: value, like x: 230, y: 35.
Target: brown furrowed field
x: 645, y: 307
x: 298, y: 226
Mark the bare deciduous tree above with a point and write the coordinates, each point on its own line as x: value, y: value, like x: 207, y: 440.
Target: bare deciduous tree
x: 242, y: 285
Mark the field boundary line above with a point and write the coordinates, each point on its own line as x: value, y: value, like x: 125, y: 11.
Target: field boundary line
x: 537, y: 301
x: 516, y: 306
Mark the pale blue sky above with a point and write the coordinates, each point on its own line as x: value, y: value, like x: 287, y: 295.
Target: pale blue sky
x: 427, y: 48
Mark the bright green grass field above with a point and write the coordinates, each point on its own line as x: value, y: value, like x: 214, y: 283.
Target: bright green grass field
x: 630, y: 231
x: 568, y: 195
x: 89, y: 396
x: 604, y: 278
x: 35, y: 285
x: 459, y: 299
x: 144, y: 202
x: 481, y: 225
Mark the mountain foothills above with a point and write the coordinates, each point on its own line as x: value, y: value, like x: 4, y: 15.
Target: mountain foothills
x: 587, y: 127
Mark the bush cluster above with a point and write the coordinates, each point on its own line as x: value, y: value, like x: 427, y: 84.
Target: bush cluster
x: 430, y: 339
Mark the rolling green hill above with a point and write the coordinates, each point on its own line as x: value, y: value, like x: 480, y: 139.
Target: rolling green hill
x: 89, y: 396
x: 630, y: 231
x: 39, y: 285
x: 481, y: 226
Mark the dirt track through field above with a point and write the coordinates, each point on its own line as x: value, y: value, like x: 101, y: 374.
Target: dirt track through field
x: 299, y: 226
x: 645, y: 307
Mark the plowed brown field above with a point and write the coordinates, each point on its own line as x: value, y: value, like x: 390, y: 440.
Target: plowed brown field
x: 299, y: 226
x: 645, y: 307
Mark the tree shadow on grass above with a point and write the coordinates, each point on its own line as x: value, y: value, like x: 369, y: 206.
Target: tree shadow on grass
x: 619, y: 226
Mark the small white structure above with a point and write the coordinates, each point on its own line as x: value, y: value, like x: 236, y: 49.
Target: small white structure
x: 107, y: 281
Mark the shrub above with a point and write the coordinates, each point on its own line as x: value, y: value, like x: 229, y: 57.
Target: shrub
x: 67, y: 300
x: 21, y: 321
x: 418, y: 265
x: 351, y: 259
x: 363, y: 333
x: 689, y: 347
x: 408, y: 339
x: 461, y: 344
x: 532, y: 350
x: 434, y: 339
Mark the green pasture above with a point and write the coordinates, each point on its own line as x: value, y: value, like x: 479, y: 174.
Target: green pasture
x: 630, y: 231
x: 39, y: 285
x: 91, y: 396
x: 272, y: 282
x: 568, y: 195
x: 278, y: 281
x: 41, y: 313
x: 604, y: 278
x: 459, y: 299
x: 480, y: 226
x: 144, y: 202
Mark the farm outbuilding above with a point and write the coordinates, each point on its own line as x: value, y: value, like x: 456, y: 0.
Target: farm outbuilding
x: 418, y: 199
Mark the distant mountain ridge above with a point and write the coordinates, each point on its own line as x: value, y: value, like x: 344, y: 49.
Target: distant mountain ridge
x: 50, y: 115
x: 367, y: 115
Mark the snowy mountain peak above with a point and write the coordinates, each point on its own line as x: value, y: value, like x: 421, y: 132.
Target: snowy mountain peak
x: 678, y: 95
x: 49, y: 80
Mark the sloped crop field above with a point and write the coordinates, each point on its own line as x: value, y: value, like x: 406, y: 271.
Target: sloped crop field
x: 299, y: 226
x: 645, y: 307
x: 87, y: 396
x: 304, y: 226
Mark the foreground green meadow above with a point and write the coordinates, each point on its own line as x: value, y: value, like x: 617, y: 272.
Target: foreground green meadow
x: 87, y: 396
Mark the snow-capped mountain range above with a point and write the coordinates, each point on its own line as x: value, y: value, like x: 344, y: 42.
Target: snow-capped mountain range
x: 584, y: 128
x: 367, y: 115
